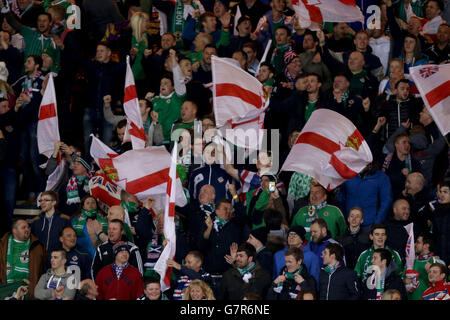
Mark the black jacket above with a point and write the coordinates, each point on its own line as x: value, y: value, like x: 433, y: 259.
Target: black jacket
x: 391, y: 281
x: 391, y: 109
x: 342, y: 284
x: 441, y: 231
x: 104, y: 256
x: 397, y: 236
x: 218, y: 244
x: 354, y: 245
x: 47, y: 230
x: 265, y: 259
x: 292, y: 288
x: 233, y: 286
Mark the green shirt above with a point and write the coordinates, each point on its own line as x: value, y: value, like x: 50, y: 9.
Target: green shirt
x: 256, y: 216
x: 309, y: 109
x: 138, y: 70
x: 35, y: 43
x: 332, y: 216
x: 419, y: 265
x: 365, y: 261
x: 169, y: 111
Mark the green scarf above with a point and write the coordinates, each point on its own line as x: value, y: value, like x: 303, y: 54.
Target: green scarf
x: 219, y: 223
x: 260, y: 206
x: 299, y: 185
x: 246, y: 272
x: 79, y: 222
x: 313, y: 210
x: 17, y: 260
x: 288, y: 275
x: 138, y: 70
x: 380, y: 288
x: 331, y: 269
x: 178, y: 22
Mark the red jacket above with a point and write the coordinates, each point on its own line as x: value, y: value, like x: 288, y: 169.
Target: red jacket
x: 440, y: 291
x: 128, y: 287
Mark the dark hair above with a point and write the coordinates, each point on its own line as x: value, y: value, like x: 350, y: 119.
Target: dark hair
x: 169, y: 76
x: 16, y: 220
x: 105, y: 44
x: 49, y: 16
x: 302, y: 293
x: 59, y: 9
x: 61, y: 232
x: 342, y: 74
x: 438, y: 2
x: 401, y: 135
x: 244, y: 54
x: 122, y: 123
x: 336, y: 249
x: 385, y: 254
x: 285, y: 28
x: 197, y: 254
x: 37, y: 60
x: 119, y: 222
x: 248, y: 249
x: 210, y: 45
x: 268, y: 65
x: 402, y: 81
x: 377, y: 226
x: 321, y: 222
x: 297, y: 253
x: 149, y: 280
x: 440, y: 266
x: 50, y: 193
x: 63, y: 252
x: 427, y: 239
x: 273, y: 219
x: 223, y: 200
x: 319, y: 79
x: 313, y: 34
x: 250, y: 45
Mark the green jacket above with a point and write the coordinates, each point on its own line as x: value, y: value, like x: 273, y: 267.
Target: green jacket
x: 365, y: 260
x: 169, y: 111
x: 332, y: 215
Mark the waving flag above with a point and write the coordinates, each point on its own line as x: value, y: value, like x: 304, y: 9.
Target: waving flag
x: 329, y: 149
x: 142, y: 172
x: 240, y: 103
x: 104, y: 190
x: 433, y: 83
x: 48, y: 133
x: 326, y: 11
x: 169, y: 224
x: 47, y: 128
x: 135, y: 129
x: 410, y: 252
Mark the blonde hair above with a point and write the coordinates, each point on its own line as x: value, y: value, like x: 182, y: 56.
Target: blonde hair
x: 5, y: 88
x: 136, y: 26
x: 388, y: 294
x: 207, y: 291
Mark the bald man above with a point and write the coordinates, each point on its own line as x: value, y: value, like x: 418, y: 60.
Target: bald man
x: 397, y: 236
x: 362, y: 83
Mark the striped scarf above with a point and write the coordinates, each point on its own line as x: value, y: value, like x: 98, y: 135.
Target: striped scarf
x: 331, y: 269
x: 219, y: 223
x: 388, y: 159
x: 246, y: 272
x: 17, y: 11
x: 289, y: 276
x: 119, y: 269
x: 27, y: 85
x: 208, y: 209
x: 380, y: 288
x: 313, y: 210
x: 74, y: 183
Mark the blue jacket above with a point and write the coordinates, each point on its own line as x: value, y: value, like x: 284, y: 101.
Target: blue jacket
x: 213, y: 175
x: 317, y: 248
x: 310, y: 260
x: 372, y: 194
x: 47, y: 230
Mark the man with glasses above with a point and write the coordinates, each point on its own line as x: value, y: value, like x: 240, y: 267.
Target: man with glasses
x: 50, y: 221
x: 296, y: 239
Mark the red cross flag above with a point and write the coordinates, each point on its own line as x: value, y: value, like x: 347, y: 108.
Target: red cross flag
x: 239, y: 102
x: 169, y: 224
x: 433, y: 83
x: 135, y: 128
x: 142, y: 172
x: 326, y: 11
x: 329, y: 149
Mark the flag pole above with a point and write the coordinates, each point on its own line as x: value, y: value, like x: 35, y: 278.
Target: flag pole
x: 264, y: 57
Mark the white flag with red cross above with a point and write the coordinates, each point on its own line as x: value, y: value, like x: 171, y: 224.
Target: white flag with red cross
x: 169, y: 224
x: 142, y: 172
x: 433, y: 83
x: 240, y: 103
x: 318, y: 11
x: 135, y: 129
x: 329, y: 149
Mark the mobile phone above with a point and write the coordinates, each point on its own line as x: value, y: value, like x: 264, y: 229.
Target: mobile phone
x: 272, y: 186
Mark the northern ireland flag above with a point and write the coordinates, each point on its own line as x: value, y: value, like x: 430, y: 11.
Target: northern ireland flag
x: 240, y: 102
x: 135, y: 129
x: 169, y: 223
x: 142, y: 172
x: 318, y: 11
x: 433, y: 83
x: 410, y: 252
x: 329, y: 149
